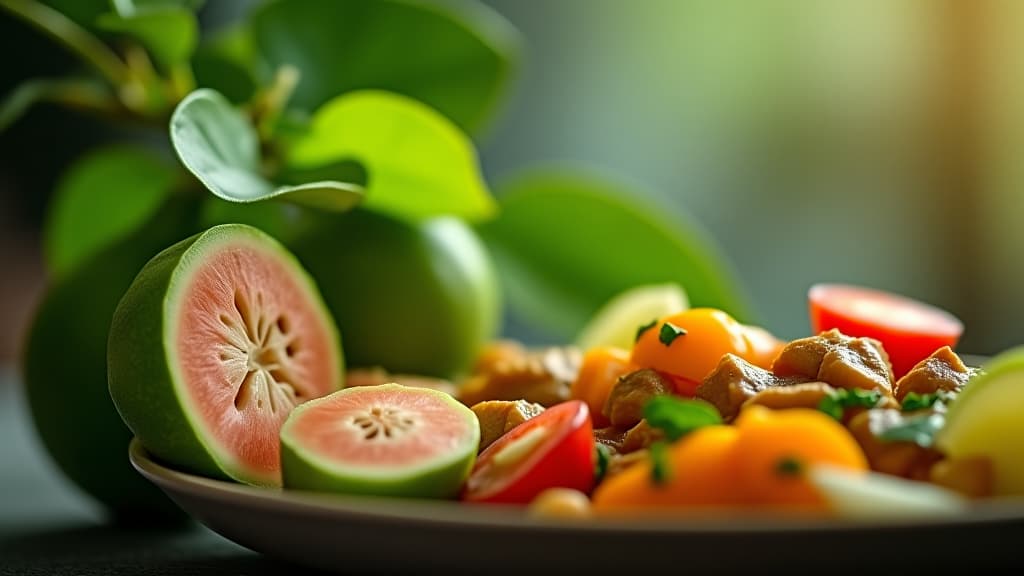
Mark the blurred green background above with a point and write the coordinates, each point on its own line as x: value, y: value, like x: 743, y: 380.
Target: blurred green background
x: 871, y: 142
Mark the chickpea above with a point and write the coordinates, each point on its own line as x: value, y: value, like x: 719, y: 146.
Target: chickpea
x: 560, y: 503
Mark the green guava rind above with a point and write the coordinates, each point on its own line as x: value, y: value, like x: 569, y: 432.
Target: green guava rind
x: 985, y: 420
x: 65, y: 372
x: 423, y: 297
x: 146, y: 389
x: 441, y: 478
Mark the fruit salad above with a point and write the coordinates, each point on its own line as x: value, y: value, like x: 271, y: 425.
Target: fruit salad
x: 873, y: 414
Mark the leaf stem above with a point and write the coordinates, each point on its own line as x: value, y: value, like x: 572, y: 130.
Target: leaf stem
x: 143, y: 92
x: 182, y: 80
x: 268, y: 105
x: 75, y: 38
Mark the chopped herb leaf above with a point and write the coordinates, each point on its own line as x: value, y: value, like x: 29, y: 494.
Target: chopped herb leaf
x: 644, y: 328
x: 661, y: 471
x: 669, y: 332
x: 919, y: 429
x: 830, y: 405
x: 603, y: 455
x: 789, y: 466
x: 914, y: 401
x: 836, y: 403
x: 677, y: 417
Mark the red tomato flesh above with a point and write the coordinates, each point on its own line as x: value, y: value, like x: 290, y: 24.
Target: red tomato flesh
x: 554, y: 449
x: 908, y: 329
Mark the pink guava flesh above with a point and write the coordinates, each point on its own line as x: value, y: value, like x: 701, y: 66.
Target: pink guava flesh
x: 381, y: 428
x: 251, y: 345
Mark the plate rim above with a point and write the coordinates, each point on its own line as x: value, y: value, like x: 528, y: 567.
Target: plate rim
x: 504, y: 517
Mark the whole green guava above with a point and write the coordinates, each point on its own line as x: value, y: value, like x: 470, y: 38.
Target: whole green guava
x: 65, y: 372
x: 416, y: 297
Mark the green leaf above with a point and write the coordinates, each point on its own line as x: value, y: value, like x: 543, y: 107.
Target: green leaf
x: 678, y: 417
x: 225, y: 62
x: 220, y: 147
x: 168, y: 32
x: 129, y: 7
x: 644, y: 328
x: 456, y: 57
x: 101, y: 199
x: 914, y: 401
x: 566, y: 243
x: 418, y: 163
x: 669, y: 332
x: 602, y: 457
x: 661, y: 468
x: 837, y: 401
x: 789, y: 466
x: 919, y: 429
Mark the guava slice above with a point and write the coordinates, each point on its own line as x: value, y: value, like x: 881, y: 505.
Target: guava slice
x: 384, y: 440
x: 213, y: 344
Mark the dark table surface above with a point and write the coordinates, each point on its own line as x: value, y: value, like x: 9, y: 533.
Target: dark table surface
x: 48, y: 527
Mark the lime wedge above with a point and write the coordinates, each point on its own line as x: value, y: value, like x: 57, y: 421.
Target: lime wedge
x: 985, y: 420
x: 616, y: 323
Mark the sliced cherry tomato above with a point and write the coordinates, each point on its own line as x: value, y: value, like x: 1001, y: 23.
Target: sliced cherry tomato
x: 909, y: 330
x: 554, y: 449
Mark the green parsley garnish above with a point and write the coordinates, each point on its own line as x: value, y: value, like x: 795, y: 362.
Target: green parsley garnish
x: 677, y: 417
x: 603, y: 455
x: 919, y: 429
x: 644, y: 328
x: 789, y: 466
x: 669, y: 332
x: 661, y: 472
x: 914, y: 401
x: 836, y: 403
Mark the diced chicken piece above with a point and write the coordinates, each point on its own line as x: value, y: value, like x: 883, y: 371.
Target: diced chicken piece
x: 624, y: 441
x: 499, y: 416
x: 839, y: 360
x: 515, y: 373
x: 497, y: 352
x: 943, y: 370
x: 611, y: 437
x: 627, y: 398
x: 734, y: 381
x: 905, y: 459
x: 620, y: 462
x: 859, y: 364
x: 803, y: 357
x: 804, y: 395
x: 640, y: 437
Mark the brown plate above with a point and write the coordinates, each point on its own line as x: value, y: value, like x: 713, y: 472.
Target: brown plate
x: 388, y: 535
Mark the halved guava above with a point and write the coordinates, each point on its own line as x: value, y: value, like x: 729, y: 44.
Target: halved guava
x: 384, y: 440
x: 214, y: 343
